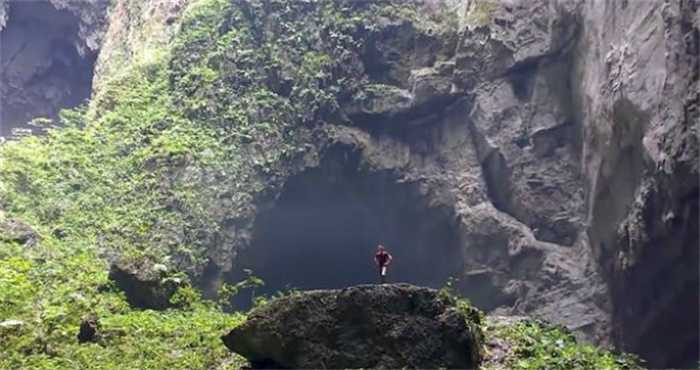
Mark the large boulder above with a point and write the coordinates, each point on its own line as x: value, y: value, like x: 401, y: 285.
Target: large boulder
x: 366, y: 326
x: 16, y: 231
x: 145, y: 284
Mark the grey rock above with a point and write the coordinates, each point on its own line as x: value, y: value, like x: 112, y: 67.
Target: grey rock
x: 11, y: 324
x: 4, y: 6
x: 367, y: 326
x: 12, y: 230
x: 383, y: 101
x: 637, y: 80
x: 145, y: 284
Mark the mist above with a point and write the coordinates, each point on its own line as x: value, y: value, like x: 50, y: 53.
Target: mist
x: 323, y: 230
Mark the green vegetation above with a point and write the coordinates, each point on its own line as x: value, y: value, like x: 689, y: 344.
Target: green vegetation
x: 451, y: 295
x: 178, y: 142
x: 50, y: 287
x: 536, y: 345
x: 165, y: 164
x: 228, y: 290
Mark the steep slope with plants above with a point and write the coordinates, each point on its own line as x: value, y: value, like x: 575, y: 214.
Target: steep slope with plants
x: 50, y: 286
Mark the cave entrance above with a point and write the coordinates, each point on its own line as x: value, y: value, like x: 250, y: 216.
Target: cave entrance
x: 44, y: 67
x: 323, y: 230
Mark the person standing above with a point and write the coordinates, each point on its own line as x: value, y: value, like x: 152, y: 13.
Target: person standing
x: 382, y: 258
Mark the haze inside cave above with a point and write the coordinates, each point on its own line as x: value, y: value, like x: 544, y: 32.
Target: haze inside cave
x: 323, y: 230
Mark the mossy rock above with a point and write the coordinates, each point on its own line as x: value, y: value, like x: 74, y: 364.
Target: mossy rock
x: 366, y: 326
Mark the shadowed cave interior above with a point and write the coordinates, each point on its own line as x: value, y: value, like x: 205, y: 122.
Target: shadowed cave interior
x: 42, y: 70
x: 323, y: 230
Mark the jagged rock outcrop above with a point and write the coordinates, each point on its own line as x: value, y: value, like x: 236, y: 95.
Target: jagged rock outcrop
x: 48, y: 51
x: 555, y: 140
x: 123, y: 44
x: 15, y: 231
x: 146, y: 285
x: 367, y: 326
x: 501, y: 158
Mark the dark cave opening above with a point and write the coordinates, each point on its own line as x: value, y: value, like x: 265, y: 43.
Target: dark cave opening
x: 322, y: 232
x: 43, y: 70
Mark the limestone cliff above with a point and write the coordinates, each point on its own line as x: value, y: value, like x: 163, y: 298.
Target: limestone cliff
x: 542, y: 152
x: 637, y: 80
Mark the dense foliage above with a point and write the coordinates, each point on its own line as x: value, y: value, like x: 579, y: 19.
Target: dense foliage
x: 533, y: 345
x: 48, y: 288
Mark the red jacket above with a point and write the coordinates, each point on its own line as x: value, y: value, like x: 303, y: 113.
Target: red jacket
x: 382, y: 258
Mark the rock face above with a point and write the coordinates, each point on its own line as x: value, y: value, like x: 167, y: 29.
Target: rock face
x: 47, y: 57
x: 367, y: 326
x: 495, y: 153
x: 122, y: 43
x: 548, y: 149
x: 637, y: 76
x: 474, y: 126
x: 145, y: 284
x: 561, y: 138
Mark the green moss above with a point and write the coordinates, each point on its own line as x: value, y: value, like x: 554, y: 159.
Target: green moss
x: 537, y: 345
